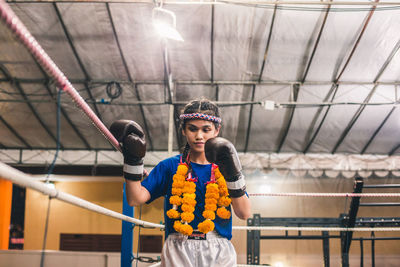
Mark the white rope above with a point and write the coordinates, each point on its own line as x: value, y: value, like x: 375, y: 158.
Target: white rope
x: 24, y: 180
x: 325, y: 194
x: 317, y: 229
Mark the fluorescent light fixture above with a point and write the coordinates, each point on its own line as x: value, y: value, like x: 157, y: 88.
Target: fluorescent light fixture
x: 164, y: 22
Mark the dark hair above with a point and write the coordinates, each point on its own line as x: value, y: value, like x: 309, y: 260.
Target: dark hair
x: 204, y: 106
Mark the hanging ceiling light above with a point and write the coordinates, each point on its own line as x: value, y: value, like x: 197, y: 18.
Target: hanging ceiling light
x: 164, y: 22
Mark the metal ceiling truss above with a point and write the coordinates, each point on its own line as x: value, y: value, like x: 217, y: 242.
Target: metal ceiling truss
x: 213, y: 2
x: 367, y: 99
x: 128, y: 73
x: 335, y: 84
x: 296, y: 87
x: 332, y: 91
x: 253, y: 91
x: 394, y: 149
x: 80, y: 63
x: 377, y: 131
x: 199, y: 82
x: 68, y: 119
x: 18, y: 87
x: 267, y: 45
x: 388, y: 60
x: 248, y: 131
x: 15, y: 133
x: 63, y: 112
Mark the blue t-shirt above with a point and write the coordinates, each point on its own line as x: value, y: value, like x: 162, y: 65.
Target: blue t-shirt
x: 159, y: 183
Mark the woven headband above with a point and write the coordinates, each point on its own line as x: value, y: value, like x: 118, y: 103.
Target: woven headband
x: 200, y: 116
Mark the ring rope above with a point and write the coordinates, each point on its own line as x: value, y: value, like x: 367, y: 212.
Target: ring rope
x: 325, y: 194
x: 24, y: 180
x: 21, y: 32
x: 317, y: 229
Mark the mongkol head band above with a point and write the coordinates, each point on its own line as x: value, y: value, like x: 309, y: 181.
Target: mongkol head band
x: 200, y: 116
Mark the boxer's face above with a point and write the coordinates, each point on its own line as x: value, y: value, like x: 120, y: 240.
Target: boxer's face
x: 197, y: 132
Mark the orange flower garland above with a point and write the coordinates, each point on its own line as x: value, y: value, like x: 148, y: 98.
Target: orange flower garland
x: 184, y: 195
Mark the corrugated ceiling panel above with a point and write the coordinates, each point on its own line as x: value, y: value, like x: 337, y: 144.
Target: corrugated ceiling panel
x: 235, y: 118
x: 388, y: 137
x: 305, y: 119
x: 374, y: 49
x: 91, y: 32
x: 190, y: 60
x: 369, y: 121
x: 267, y: 125
x: 336, y: 42
x: 392, y: 72
x: 42, y: 21
x: 20, y: 117
x: 290, y: 44
x: 7, y: 92
x: 239, y: 43
x: 187, y: 93
x: 46, y: 108
x: 139, y: 42
x: 15, y: 58
x: 83, y: 123
x: 157, y: 116
x: 338, y: 118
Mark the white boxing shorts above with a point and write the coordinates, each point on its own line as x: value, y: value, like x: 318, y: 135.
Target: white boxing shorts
x: 198, y: 250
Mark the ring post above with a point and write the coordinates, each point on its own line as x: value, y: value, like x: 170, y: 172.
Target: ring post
x: 127, y: 233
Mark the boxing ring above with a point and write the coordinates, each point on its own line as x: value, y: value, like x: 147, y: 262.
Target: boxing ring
x: 345, y: 225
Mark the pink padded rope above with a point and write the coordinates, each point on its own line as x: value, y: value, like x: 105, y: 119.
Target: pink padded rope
x: 22, y: 33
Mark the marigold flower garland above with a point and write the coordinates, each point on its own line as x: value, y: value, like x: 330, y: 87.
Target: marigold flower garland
x: 184, y: 195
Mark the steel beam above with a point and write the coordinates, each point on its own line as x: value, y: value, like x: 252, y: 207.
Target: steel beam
x: 75, y: 52
x: 350, y: 221
x: 377, y: 130
x: 336, y: 81
x: 128, y: 73
x: 246, y: 145
x: 289, y: 114
x: 18, y: 87
x: 394, y: 149
x: 332, y: 91
x: 68, y: 119
x: 250, y: 242
x: 296, y: 88
x: 325, y: 248
x: 14, y: 132
x: 267, y: 45
x: 367, y: 99
x: 380, y: 204
x: 202, y: 82
x: 381, y: 186
x: 366, y: 4
x: 36, y: 114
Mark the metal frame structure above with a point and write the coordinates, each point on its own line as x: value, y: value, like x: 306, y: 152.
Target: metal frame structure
x: 348, y: 220
x: 291, y: 106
